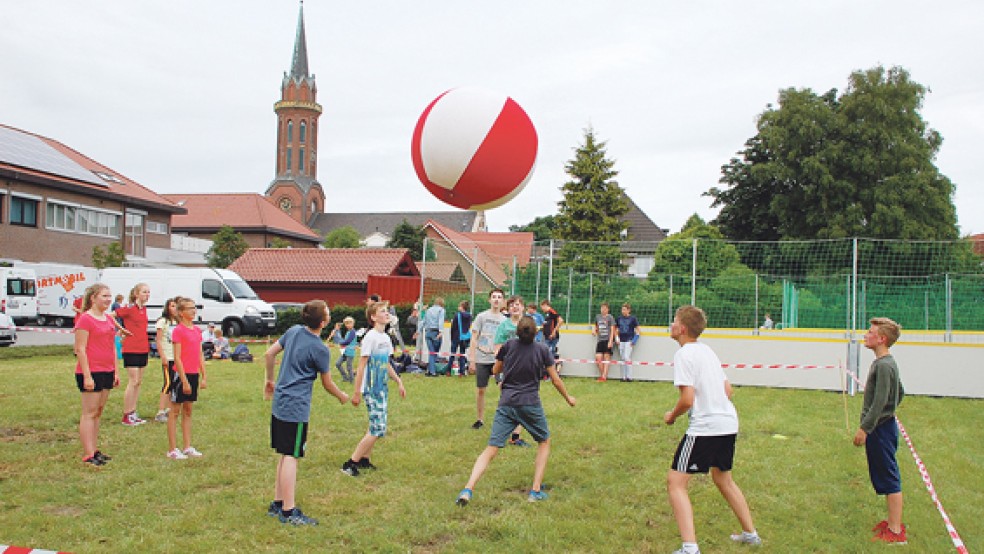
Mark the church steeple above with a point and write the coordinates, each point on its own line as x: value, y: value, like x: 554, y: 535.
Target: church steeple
x: 295, y: 187
x: 299, y: 63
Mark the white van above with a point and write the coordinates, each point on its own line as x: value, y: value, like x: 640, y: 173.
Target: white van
x: 222, y: 296
x: 18, y: 295
x: 58, y: 285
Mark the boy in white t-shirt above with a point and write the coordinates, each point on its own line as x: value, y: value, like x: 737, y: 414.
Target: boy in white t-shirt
x: 709, y: 444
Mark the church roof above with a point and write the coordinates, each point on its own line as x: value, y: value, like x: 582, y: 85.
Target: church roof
x: 245, y: 212
x: 384, y: 222
x: 299, y: 62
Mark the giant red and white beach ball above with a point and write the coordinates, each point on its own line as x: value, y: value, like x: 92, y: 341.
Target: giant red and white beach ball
x: 474, y: 148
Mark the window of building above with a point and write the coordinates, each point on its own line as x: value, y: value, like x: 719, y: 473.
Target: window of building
x: 23, y: 211
x: 300, y: 161
x: 303, y: 132
x: 288, y: 160
x: 290, y: 131
x: 157, y: 227
x: 60, y: 217
x: 134, y: 240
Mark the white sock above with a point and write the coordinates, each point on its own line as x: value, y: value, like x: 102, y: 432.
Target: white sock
x: 691, y: 548
x: 751, y: 535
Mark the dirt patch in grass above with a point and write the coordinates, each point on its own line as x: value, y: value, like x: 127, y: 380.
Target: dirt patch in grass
x: 28, y: 434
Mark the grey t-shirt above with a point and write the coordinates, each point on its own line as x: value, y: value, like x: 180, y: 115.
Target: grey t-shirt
x: 305, y: 356
x: 605, y: 324
x: 483, y: 333
x: 523, y: 366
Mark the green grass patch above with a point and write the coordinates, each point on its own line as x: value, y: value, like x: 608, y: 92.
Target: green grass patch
x: 808, y: 492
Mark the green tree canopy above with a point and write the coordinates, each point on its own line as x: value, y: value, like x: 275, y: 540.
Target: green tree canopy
x: 227, y: 246
x: 543, y: 228
x: 279, y: 242
x: 412, y: 238
x: 826, y: 166
x: 343, y: 237
x: 674, y: 256
x: 593, y: 203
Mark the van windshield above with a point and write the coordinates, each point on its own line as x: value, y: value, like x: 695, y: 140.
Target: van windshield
x: 240, y: 289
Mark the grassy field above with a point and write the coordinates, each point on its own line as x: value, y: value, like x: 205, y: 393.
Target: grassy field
x: 809, y: 491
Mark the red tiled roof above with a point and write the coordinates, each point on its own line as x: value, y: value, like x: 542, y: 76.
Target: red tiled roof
x: 322, y: 265
x: 442, y: 271
x: 241, y: 211
x: 116, y: 186
x: 978, y: 241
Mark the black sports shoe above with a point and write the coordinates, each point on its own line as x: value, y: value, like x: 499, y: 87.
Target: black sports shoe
x: 364, y: 463
x: 350, y: 468
x: 102, y: 457
x: 93, y: 460
x: 478, y: 424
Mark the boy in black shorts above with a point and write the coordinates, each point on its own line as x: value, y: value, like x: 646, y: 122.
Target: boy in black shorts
x: 879, y: 432
x: 305, y: 357
x: 709, y: 444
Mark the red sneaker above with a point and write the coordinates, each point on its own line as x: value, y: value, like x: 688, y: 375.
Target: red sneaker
x: 891, y: 537
x: 882, y: 525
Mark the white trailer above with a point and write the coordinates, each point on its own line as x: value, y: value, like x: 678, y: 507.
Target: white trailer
x: 58, y: 286
x: 18, y: 294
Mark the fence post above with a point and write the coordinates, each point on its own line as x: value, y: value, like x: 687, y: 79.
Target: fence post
x: 550, y: 270
x: 853, y: 348
x: 948, y: 337
x: 537, y: 299
x: 418, y: 347
x: 474, y: 277
x: 693, y: 276
x: 669, y: 304
x: 755, y: 324
x: 570, y: 283
x: 590, y: 294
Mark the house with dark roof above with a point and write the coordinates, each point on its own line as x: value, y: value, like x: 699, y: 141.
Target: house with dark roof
x: 252, y: 215
x: 57, y: 205
x: 336, y: 275
x: 377, y: 228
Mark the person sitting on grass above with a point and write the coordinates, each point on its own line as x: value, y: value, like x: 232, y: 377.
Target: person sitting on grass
x: 305, y: 357
x: 221, y: 343
x: 521, y: 362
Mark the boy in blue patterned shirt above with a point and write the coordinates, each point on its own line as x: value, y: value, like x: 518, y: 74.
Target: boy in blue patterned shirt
x: 371, y: 382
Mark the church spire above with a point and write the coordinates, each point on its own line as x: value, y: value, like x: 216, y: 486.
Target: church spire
x: 299, y: 63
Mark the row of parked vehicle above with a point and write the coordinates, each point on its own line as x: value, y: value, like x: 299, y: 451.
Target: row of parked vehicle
x: 43, y: 294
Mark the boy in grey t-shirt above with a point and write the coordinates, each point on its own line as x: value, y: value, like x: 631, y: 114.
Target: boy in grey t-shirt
x: 481, y: 353
x: 604, y: 323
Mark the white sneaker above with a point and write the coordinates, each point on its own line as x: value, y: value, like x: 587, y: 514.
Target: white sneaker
x: 161, y: 416
x: 177, y: 455
x: 190, y: 451
x: 743, y: 538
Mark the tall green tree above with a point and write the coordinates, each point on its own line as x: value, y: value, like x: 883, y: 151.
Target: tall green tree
x: 543, y: 228
x: 112, y: 256
x: 227, y: 246
x: 591, y: 210
x: 412, y: 238
x: 826, y: 166
x: 675, y: 255
x: 343, y: 237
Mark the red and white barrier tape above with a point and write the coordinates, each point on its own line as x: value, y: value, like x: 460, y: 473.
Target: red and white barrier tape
x: 670, y: 364
x: 4, y: 549
x: 72, y: 331
x: 927, y: 480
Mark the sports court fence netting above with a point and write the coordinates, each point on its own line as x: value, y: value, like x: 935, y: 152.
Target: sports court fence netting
x: 931, y: 286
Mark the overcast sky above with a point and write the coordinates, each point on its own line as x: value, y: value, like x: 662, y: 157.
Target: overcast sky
x: 179, y: 95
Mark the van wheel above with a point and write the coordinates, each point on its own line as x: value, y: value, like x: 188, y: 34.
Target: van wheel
x: 232, y: 329
x: 42, y: 321
x: 59, y: 322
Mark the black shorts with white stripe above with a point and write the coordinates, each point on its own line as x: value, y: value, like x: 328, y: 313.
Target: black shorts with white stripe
x: 698, y: 454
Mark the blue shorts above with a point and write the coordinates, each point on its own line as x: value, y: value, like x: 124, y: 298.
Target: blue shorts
x: 532, y: 418
x: 377, y: 405
x: 883, y: 468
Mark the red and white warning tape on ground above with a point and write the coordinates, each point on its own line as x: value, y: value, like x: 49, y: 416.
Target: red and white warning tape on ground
x: 670, y: 364
x: 44, y: 330
x: 924, y: 473
x: 4, y: 549
x: 954, y: 536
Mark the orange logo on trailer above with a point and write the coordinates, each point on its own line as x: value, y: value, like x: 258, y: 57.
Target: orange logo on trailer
x: 67, y: 281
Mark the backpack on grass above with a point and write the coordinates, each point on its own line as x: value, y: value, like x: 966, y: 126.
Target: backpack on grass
x: 241, y: 354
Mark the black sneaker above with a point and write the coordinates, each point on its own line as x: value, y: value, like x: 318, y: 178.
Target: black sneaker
x: 364, y: 463
x: 350, y: 468
x: 273, y: 510
x: 93, y: 460
x: 297, y: 517
x: 478, y: 424
x: 102, y: 457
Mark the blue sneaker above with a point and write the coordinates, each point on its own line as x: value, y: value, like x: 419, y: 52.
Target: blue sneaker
x: 536, y: 496
x: 297, y: 518
x: 464, y: 497
x: 520, y: 443
x: 273, y: 510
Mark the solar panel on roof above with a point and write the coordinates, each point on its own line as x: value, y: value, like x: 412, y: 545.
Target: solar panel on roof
x: 28, y: 151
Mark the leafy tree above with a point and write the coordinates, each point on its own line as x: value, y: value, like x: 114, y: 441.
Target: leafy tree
x: 828, y: 166
x: 543, y: 228
x: 343, y: 237
x: 674, y: 256
x: 227, y: 246
x: 112, y: 256
x: 412, y: 238
x: 591, y: 210
x: 279, y: 242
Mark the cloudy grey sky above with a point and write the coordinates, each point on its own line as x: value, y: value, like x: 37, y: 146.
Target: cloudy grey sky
x: 179, y: 95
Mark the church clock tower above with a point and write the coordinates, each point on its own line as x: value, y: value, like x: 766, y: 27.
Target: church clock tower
x: 296, y: 189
